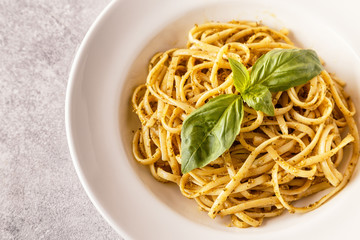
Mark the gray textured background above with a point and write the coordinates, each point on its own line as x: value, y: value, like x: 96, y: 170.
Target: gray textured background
x: 40, y: 194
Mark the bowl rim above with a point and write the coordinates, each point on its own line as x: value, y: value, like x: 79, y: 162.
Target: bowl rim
x: 78, y: 59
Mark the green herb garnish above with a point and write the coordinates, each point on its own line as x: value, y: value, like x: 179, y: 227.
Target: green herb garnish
x: 211, y: 129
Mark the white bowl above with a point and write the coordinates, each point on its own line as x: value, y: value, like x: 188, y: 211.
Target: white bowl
x: 113, y: 59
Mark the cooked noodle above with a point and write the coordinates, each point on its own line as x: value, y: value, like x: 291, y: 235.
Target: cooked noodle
x: 274, y: 161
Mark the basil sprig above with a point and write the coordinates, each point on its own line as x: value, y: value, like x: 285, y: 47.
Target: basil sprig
x: 211, y: 129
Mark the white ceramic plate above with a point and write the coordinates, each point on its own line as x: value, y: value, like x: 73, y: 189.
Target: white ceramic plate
x: 112, y: 60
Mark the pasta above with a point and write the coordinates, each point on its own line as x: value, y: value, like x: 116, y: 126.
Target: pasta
x: 275, y: 160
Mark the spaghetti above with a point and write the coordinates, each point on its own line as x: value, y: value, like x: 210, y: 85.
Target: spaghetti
x: 274, y: 161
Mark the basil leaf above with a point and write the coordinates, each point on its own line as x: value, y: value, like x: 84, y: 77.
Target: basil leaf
x: 210, y: 130
x: 281, y: 69
x: 259, y: 98
x: 240, y: 75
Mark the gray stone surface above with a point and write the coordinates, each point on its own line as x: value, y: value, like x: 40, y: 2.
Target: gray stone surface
x: 40, y: 194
